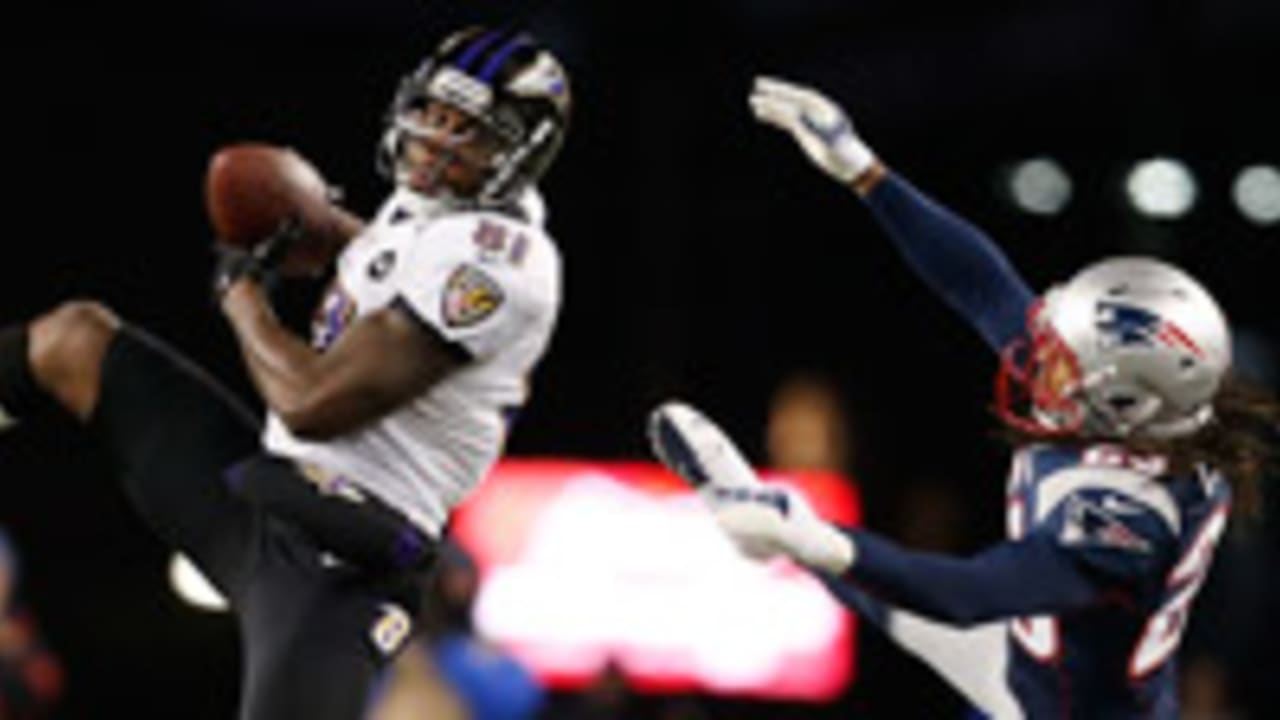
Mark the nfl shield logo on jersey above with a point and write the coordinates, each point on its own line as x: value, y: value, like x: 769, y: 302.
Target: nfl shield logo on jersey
x: 1096, y: 524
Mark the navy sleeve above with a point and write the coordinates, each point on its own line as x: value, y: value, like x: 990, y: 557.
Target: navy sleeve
x: 1014, y: 579
x: 957, y: 260
x: 856, y: 599
x: 1096, y: 545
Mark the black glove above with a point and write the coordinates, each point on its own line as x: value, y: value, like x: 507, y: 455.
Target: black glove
x: 258, y: 263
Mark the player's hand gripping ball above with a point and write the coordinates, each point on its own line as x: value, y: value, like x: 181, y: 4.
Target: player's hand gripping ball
x: 252, y: 190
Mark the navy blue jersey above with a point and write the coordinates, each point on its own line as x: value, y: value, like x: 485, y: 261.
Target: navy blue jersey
x: 1106, y: 551
x: 1147, y: 540
x: 1090, y: 594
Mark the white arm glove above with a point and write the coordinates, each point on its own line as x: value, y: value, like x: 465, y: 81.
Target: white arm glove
x: 763, y: 521
x: 819, y: 125
x: 773, y: 521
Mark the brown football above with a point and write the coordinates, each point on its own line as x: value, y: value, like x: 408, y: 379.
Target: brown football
x: 252, y: 188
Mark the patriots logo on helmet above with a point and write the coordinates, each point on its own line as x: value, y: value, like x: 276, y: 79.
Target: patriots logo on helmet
x: 1121, y: 325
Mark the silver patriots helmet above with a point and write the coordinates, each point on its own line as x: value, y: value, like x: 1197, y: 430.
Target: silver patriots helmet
x: 1129, y: 347
x: 508, y: 82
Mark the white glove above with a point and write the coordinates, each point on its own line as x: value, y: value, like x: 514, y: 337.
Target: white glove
x: 818, y: 124
x: 763, y: 521
x: 774, y: 521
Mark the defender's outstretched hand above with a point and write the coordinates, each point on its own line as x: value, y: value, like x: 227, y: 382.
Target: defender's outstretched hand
x: 691, y: 446
x: 819, y: 125
x: 763, y: 521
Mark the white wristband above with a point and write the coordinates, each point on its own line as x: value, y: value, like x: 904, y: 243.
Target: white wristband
x: 856, y: 158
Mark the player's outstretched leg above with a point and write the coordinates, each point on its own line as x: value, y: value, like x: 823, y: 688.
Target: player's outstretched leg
x: 168, y: 427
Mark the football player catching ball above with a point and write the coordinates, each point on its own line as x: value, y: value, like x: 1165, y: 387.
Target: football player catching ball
x: 319, y: 524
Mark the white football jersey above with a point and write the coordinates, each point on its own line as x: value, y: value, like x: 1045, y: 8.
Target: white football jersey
x: 486, y: 281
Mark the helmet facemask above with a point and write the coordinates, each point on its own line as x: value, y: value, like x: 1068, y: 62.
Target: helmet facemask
x: 516, y: 98
x: 1039, y: 383
x: 463, y: 147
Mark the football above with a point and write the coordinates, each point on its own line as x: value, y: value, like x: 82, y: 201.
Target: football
x: 251, y: 189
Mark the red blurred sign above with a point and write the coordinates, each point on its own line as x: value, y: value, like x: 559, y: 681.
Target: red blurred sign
x: 584, y: 564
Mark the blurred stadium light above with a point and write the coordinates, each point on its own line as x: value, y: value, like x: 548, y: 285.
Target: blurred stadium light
x: 620, y: 563
x: 1257, y: 194
x: 192, y: 586
x: 1040, y: 186
x: 1162, y: 188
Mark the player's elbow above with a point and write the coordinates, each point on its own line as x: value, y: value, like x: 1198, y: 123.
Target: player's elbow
x: 307, y: 426
x: 965, y: 619
x: 318, y: 416
x: 311, y: 421
x: 961, y: 612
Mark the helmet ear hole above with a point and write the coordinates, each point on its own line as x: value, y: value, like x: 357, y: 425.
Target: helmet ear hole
x: 1121, y: 403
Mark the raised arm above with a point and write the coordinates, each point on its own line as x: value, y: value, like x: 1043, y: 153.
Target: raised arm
x: 955, y: 259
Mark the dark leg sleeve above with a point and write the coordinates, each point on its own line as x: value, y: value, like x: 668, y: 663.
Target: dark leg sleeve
x: 171, y: 431
x: 315, y: 633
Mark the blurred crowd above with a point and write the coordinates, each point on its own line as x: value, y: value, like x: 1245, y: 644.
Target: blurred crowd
x: 451, y: 671
x: 31, y: 678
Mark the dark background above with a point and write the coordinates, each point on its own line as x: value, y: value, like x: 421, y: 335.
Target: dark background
x: 704, y: 257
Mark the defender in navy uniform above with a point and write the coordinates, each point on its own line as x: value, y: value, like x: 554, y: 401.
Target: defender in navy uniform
x: 1129, y: 438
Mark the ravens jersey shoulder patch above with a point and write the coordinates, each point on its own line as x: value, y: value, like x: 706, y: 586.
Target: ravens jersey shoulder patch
x: 470, y: 296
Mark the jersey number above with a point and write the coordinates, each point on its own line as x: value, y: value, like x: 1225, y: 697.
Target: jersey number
x: 1111, y: 456
x: 1164, y: 629
x: 1037, y: 635
x: 497, y: 244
